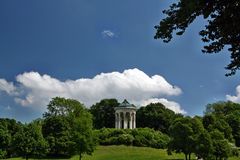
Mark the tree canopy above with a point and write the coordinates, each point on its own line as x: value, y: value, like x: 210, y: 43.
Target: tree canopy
x: 224, y: 116
x: 184, y: 132
x: 155, y: 116
x: 68, y: 128
x: 103, y: 113
x: 29, y: 141
x: 222, y: 29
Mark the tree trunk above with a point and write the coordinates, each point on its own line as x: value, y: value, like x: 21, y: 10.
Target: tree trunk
x: 189, y: 156
x: 80, y: 156
x: 186, y: 157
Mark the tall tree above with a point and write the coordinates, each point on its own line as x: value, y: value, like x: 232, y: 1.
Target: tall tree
x: 56, y: 130
x: 5, y: 142
x: 68, y: 128
x: 103, y: 113
x: 155, y: 116
x: 222, y: 29
x: 29, y: 141
x: 224, y: 116
x: 233, y: 120
x: 204, y: 145
x: 83, y: 138
x: 221, y: 147
x: 8, y: 128
x: 182, y: 135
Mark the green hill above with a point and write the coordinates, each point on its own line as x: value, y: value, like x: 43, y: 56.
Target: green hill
x: 129, y: 153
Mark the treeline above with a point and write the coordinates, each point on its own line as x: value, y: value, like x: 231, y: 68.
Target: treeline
x: 68, y: 128
x: 65, y: 130
x: 216, y: 135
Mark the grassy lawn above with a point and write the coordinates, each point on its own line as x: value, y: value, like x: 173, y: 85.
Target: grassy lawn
x: 129, y: 153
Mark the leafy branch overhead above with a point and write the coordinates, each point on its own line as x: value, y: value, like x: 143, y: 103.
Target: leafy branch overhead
x: 222, y: 29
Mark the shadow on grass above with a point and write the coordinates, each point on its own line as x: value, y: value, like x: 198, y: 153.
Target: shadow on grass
x: 51, y: 158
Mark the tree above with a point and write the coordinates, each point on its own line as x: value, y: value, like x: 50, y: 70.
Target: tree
x: 224, y: 127
x: 221, y: 109
x: 233, y: 120
x: 155, y: 116
x: 8, y: 128
x: 103, y: 113
x: 204, y: 145
x: 224, y: 116
x: 221, y: 147
x: 208, y: 121
x: 5, y: 140
x: 222, y: 29
x: 61, y: 107
x: 29, y: 142
x: 182, y: 136
x: 68, y: 128
x: 56, y: 131
x: 83, y: 138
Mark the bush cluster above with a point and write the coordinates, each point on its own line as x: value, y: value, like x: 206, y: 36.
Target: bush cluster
x: 141, y: 137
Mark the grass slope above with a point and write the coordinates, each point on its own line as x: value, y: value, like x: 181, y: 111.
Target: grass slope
x: 129, y: 153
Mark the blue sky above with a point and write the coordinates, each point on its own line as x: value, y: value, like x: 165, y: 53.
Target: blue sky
x: 70, y: 40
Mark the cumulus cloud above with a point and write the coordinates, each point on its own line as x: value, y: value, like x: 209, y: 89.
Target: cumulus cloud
x: 7, y: 87
x: 132, y: 84
x: 235, y: 98
x: 108, y: 33
x: 174, y: 106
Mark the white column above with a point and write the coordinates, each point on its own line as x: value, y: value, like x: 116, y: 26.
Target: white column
x: 134, y: 120
x: 125, y: 120
x: 130, y: 121
x: 120, y: 121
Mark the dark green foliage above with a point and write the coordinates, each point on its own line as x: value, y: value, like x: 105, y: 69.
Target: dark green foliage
x: 3, y: 154
x: 104, y: 113
x: 233, y: 120
x: 81, y: 126
x: 189, y: 136
x: 208, y: 121
x: 67, y: 127
x: 142, y: 137
x: 8, y: 128
x: 224, y: 127
x: 221, y: 147
x: 56, y: 130
x: 204, y: 145
x: 61, y: 107
x: 222, y: 29
x: 5, y: 142
x: 29, y: 141
x: 224, y: 116
x: 222, y: 109
x: 155, y: 116
x: 183, y: 136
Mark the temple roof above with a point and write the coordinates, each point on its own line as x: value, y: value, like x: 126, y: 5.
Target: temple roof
x: 126, y: 104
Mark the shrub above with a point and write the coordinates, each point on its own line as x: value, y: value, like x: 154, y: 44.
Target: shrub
x: 142, y: 137
x: 126, y: 139
x: 3, y: 154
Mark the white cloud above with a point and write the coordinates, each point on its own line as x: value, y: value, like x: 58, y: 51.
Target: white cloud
x: 235, y: 98
x: 7, y: 87
x: 108, y: 33
x: 174, y: 106
x: 132, y: 84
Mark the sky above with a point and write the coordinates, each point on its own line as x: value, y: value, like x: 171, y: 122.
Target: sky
x: 90, y: 50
